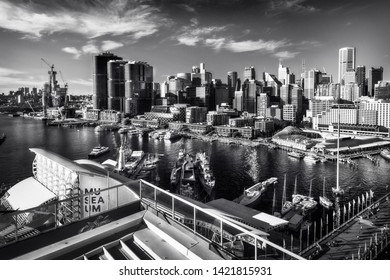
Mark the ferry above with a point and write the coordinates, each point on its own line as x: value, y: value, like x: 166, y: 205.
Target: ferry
x: 311, y: 159
x: 172, y: 135
x: 98, y: 151
x: 252, y: 195
x: 385, y: 153
x: 296, y: 155
x: 206, y: 176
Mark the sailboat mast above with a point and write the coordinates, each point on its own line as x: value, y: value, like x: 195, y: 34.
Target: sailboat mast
x: 295, y: 185
x: 338, y: 150
x: 323, y: 187
x: 284, y: 191
x: 311, y: 185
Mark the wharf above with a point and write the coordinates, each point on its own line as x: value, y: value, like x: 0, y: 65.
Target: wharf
x: 356, y: 238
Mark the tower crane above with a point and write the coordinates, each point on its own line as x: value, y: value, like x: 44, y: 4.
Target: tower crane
x: 62, y: 77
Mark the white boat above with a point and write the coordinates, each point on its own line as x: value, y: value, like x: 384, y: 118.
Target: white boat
x: 151, y: 162
x: 296, y: 155
x: 311, y: 159
x: 385, y: 153
x: 205, y: 174
x: 172, y: 135
x: 98, y: 151
x: 324, y: 201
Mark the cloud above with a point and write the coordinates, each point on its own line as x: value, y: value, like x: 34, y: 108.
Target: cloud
x: 250, y: 45
x: 11, y: 79
x: 285, y: 54
x: 72, y: 50
x: 136, y: 21
x: 187, y: 8
x: 187, y: 40
x: 215, y: 43
x: 92, y: 48
x: 81, y: 82
x: 277, y: 7
x: 111, y: 45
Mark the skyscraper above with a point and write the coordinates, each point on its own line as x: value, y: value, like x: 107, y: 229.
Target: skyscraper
x: 116, y: 84
x: 361, y: 80
x: 347, y: 62
x: 138, y: 87
x: 283, y: 74
x: 232, y: 84
x: 374, y: 76
x: 249, y: 73
x: 99, y: 76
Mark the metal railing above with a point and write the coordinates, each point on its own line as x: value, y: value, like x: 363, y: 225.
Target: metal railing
x: 196, y: 219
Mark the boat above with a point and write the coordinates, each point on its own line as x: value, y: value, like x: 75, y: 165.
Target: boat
x: 324, y: 201
x: 172, y: 135
x: 123, y: 130
x: 98, y: 151
x: 296, y: 155
x: 385, y: 153
x: 286, y: 205
x: 134, y: 159
x: 252, y: 195
x: 151, y: 162
x: 106, y: 127
x: 311, y: 159
x: 175, y: 177
x: 206, y: 176
x: 2, y: 138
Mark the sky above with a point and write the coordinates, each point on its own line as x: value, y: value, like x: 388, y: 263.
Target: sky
x: 173, y: 35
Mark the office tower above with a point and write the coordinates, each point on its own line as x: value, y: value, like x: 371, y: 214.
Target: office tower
x: 297, y: 99
x: 312, y: 79
x: 195, y: 114
x: 138, y: 87
x: 285, y: 94
x: 263, y: 102
x: 249, y: 73
x: 221, y: 93
x: 290, y: 113
x: 361, y: 80
x: 237, y: 102
x: 249, y: 93
x: 99, y: 76
x: 382, y: 90
x: 186, y: 77
x: 349, y: 77
x: 347, y: 62
x: 374, y: 76
x: 271, y: 82
x: 232, y: 84
x: 283, y: 74
x: 116, y: 84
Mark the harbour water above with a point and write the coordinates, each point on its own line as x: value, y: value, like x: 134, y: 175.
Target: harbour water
x: 234, y: 167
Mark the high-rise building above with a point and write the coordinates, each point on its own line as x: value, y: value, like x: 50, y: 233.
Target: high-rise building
x: 263, y: 102
x: 99, y: 77
x: 271, y: 82
x: 285, y: 94
x: 296, y: 100
x: 361, y: 80
x: 232, y: 84
x: 347, y: 62
x: 283, y: 74
x: 374, y: 76
x: 249, y: 91
x: 116, y: 85
x: 382, y: 107
x: 312, y: 79
x: 290, y: 113
x: 382, y: 90
x: 138, y: 87
x: 249, y: 73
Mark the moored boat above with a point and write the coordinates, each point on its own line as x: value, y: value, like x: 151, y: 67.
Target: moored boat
x: 311, y: 159
x: 172, y: 135
x: 324, y: 201
x: 206, y: 176
x: 296, y: 155
x: 252, y: 195
x: 98, y: 151
x: 385, y: 153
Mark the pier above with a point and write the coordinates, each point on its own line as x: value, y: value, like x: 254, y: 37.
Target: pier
x: 364, y: 236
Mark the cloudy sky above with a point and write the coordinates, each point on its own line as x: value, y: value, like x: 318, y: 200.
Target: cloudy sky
x: 173, y: 35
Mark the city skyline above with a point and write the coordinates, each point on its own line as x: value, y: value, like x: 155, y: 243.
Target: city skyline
x: 174, y: 35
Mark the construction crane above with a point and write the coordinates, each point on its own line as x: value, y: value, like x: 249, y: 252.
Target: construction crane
x: 62, y: 77
x: 52, y: 76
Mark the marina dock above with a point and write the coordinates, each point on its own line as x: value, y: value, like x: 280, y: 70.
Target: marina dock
x: 364, y: 236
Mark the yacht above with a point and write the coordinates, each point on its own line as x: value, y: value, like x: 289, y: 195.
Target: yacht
x: 385, y: 153
x: 311, y: 158
x: 205, y: 174
x: 98, y: 151
x: 172, y: 135
x: 296, y: 155
x: 252, y: 195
